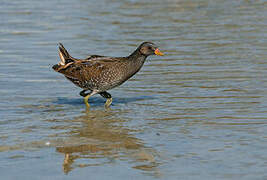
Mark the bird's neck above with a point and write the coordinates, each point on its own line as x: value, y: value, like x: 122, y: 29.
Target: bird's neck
x: 135, y: 62
x: 137, y: 59
x: 137, y: 56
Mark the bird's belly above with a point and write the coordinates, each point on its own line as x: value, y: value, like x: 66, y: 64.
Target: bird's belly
x: 103, y: 80
x: 108, y: 79
x: 99, y: 84
x: 107, y: 85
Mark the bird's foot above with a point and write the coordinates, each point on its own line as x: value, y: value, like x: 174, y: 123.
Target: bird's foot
x: 108, y: 102
x: 86, y: 101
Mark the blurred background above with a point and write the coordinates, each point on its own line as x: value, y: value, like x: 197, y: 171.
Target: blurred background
x: 199, y: 112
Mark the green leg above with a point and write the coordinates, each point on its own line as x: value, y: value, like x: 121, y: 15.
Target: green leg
x: 87, y: 96
x: 106, y: 95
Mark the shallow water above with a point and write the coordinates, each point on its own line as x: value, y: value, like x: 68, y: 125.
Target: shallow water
x: 199, y: 112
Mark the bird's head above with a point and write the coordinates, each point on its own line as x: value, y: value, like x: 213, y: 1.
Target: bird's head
x: 149, y: 48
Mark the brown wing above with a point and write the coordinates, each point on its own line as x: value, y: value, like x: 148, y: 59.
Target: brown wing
x: 94, y: 57
x: 86, y: 72
x: 92, y: 64
x: 89, y: 72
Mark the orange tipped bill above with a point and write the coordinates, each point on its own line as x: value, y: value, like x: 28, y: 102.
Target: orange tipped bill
x: 157, y: 52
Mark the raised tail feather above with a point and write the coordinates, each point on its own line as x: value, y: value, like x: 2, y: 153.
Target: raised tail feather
x: 65, y: 58
x: 63, y: 54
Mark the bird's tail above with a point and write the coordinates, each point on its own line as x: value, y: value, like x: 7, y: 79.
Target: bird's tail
x: 63, y: 54
x: 65, y: 58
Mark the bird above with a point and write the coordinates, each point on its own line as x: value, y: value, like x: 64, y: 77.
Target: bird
x: 97, y: 74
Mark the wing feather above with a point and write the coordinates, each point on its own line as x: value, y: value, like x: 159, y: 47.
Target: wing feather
x: 81, y: 69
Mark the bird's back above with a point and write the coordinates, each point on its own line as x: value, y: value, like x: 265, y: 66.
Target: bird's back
x: 95, y: 72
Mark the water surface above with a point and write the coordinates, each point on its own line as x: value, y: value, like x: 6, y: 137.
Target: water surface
x: 199, y: 112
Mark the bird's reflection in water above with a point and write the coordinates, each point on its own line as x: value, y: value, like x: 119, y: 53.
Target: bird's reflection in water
x: 104, y: 138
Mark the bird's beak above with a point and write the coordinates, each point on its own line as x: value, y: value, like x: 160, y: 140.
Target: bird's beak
x: 157, y: 52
